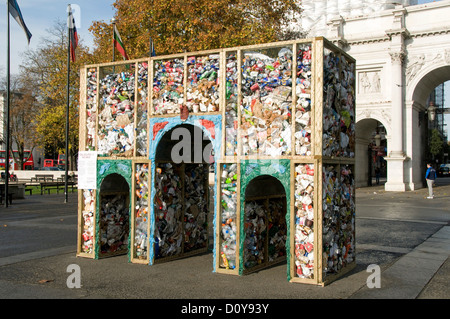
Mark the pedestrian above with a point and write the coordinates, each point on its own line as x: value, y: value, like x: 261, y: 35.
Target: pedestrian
x: 377, y: 174
x: 430, y: 176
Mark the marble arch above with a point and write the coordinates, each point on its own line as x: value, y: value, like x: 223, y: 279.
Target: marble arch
x: 402, y: 53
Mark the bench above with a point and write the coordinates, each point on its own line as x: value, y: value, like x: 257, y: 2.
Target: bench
x: 47, y: 186
x: 42, y: 178
x: 29, y: 190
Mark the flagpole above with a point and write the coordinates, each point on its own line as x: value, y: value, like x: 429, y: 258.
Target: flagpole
x: 66, y: 159
x: 113, y: 21
x: 8, y: 70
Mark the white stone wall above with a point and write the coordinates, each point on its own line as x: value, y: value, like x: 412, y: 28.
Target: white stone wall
x: 379, y: 34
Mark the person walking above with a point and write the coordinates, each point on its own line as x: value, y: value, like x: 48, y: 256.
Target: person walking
x: 430, y: 176
x: 377, y: 175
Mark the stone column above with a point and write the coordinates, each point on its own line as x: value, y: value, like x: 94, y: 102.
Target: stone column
x: 396, y: 156
x: 397, y: 104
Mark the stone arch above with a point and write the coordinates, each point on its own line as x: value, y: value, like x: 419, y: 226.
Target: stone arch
x: 432, y: 74
x: 420, y: 87
x: 364, y: 133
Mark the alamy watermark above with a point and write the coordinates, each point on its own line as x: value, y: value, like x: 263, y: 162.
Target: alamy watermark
x: 182, y: 151
x: 374, y: 279
x: 74, y: 279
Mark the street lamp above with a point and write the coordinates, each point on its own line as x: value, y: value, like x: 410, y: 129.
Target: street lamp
x: 432, y: 111
x: 377, y: 138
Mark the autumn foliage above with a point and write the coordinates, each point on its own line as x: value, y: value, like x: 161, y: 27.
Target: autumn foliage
x: 192, y: 25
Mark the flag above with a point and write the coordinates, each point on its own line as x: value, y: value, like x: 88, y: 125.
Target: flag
x: 119, y: 44
x: 73, y: 35
x: 152, y: 48
x: 14, y: 10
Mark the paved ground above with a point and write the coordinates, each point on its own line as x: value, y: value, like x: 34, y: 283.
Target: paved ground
x: 405, y: 234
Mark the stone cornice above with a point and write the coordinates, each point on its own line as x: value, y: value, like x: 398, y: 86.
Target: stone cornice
x: 430, y: 33
x: 396, y: 32
x: 386, y: 38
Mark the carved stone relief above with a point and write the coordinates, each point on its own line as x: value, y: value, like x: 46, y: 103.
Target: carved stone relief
x: 369, y: 82
x: 417, y: 62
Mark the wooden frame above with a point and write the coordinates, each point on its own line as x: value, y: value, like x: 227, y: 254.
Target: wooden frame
x: 218, y: 220
x: 133, y: 257
x: 319, y: 47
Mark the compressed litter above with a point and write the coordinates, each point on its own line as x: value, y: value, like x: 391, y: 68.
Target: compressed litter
x: 277, y: 229
x: 331, y: 105
x: 304, y: 220
x: 303, y: 106
x: 255, y: 230
x: 168, y: 86
x: 114, y: 227
x: 228, y: 216
x: 142, y: 114
x: 91, y: 108
x: 338, y: 106
x: 181, y: 208
x: 266, y: 103
x: 202, y: 85
x: 195, y: 207
x: 347, y: 215
x: 231, y: 111
x: 87, y: 242
x: 116, y: 117
x: 168, y: 207
x: 141, y: 211
x: 331, y: 221
x: 347, y: 110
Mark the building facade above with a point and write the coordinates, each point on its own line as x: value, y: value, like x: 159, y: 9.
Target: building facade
x: 402, y: 53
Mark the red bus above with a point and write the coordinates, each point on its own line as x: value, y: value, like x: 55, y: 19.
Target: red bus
x: 61, y: 160
x: 49, y: 163
x: 28, y: 161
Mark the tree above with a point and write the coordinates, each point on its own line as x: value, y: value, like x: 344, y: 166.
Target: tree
x: 23, y: 107
x: 23, y: 128
x: 193, y: 25
x: 47, y: 68
x: 436, y: 143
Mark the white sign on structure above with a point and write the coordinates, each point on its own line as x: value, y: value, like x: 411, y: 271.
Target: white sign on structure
x: 87, y: 170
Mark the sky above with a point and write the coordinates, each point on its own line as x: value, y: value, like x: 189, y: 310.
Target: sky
x: 41, y: 15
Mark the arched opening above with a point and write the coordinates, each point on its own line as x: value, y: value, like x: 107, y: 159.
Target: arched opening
x: 114, y: 216
x: 429, y: 94
x: 182, y: 206
x: 371, y: 150
x: 265, y: 227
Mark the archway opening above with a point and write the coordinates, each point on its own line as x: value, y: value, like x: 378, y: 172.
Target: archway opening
x: 371, y: 150
x: 265, y: 227
x: 182, y: 202
x: 114, y: 216
x: 430, y: 96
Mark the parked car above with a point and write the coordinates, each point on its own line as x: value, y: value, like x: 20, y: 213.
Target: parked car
x: 444, y: 171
